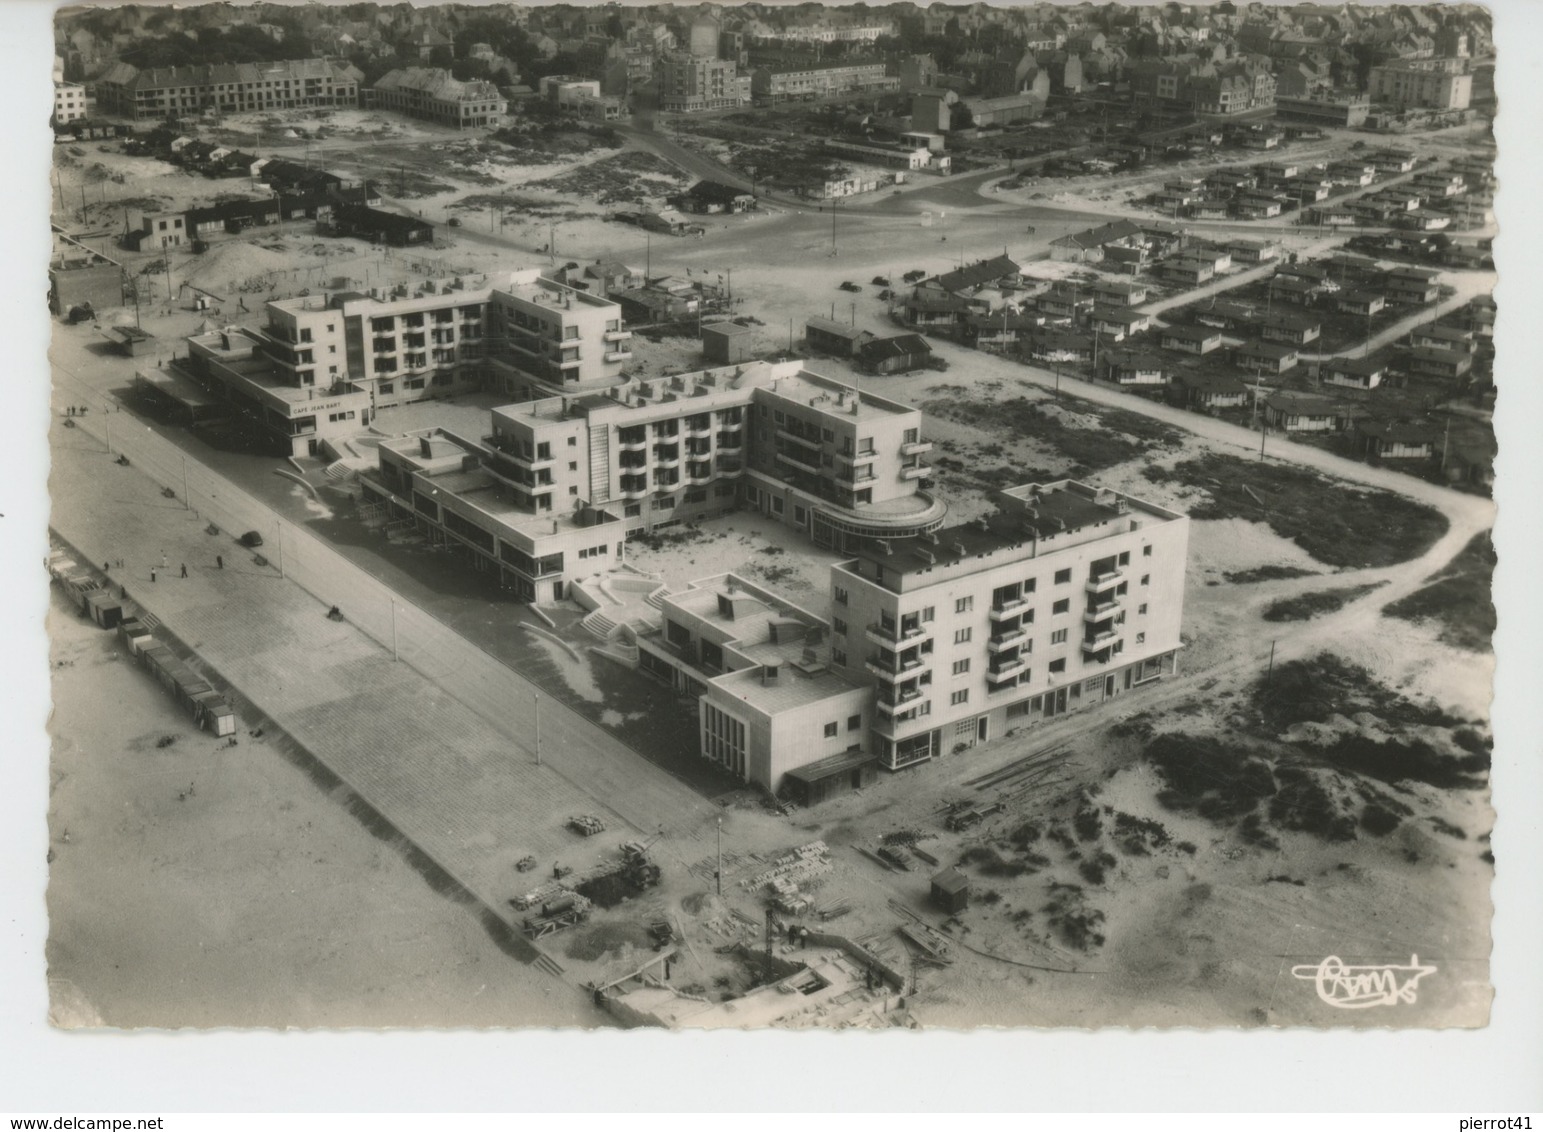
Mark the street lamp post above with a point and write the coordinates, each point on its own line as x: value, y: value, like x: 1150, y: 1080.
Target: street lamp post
x: 537, y: 700
x: 719, y: 874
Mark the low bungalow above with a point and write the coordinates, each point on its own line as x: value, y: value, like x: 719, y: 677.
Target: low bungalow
x: 1266, y: 357
x: 1118, y: 322
x: 1303, y: 412
x: 974, y: 277
x: 1353, y: 373
x: 1362, y: 302
x: 1091, y: 245
x: 935, y: 311
x: 1425, y: 220
x: 1231, y: 180
x: 1439, y: 337
x: 1253, y: 206
x: 1297, y: 292
x: 836, y: 339
x: 1208, y: 210
x: 896, y: 354
x: 1063, y: 302
x: 1060, y: 346
x: 1253, y: 251
x: 1396, y: 440
x: 999, y: 331
x: 1190, y: 272
x: 1133, y: 367
x: 1433, y: 362
x: 1412, y: 285
x: 1294, y: 329
x: 1208, y: 392
x: 1190, y: 339
x: 1119, y: 293
x: 379, y: 226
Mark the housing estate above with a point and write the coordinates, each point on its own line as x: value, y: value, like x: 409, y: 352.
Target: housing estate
x: 229, y: 88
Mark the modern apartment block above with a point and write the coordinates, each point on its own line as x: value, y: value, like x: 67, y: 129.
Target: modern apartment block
x: 688, y: 83
x: 1068, y: 596
x: 785, y: 82
x: 517, y: 332
x: 69, y: 102
x: 434, y: 95
x: 649, y: 454
x: 230, y: 88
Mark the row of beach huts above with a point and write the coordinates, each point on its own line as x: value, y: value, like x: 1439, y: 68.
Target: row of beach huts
x: 105, y: 605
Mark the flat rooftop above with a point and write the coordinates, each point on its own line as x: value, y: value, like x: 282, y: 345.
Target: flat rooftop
x: 235, y: 351
x: 793, y: 688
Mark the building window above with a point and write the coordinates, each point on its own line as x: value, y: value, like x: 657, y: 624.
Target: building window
x: 1061, y: 606
x: 573, y: 442
x: 573, y: 489
x: 573, y: 465
x: 1124, y: 558
x: 961, y: 636
x: 1030, y: 585
x: 1146, y: 579
x: 964, y: 605
x: 1063, y: 576
x: 960, y: 697
x: 854, y: 723
x: 632, y: 511
x: 1058, y: 637
x: 830, y: 730
x: 838, y: 626
x: 777, y: 506
x: 1146, y: 551
x: 1142, y: 608
x: 1141, y: 638
x: 838, y: 656
x: 1057, y: 666
x: 929, y: 613
x: 961, y: 666
x: 664, y: 503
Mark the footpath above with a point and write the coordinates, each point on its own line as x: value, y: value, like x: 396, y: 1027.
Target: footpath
x: 469, y: 795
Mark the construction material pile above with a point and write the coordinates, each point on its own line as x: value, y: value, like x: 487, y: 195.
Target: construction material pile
x: 586, y: 824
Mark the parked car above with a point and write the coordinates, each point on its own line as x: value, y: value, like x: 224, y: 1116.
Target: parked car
x: 454, y: 222
x: 251, y: 540
x: 848, y: 285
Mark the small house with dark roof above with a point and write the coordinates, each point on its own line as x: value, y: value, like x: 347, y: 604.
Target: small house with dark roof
x: 1209, y: 391
x: 1190, y: 339
x: 1266, y: 357
x: 837, y: 339
x: 382, y: 227
x: 896, y: 354
x: 1397, y: 440
x: 714, y: 197
x: 1133, y: 367
x: 1354, y: 373
x: 950, y: 891
x: 1303, y: 412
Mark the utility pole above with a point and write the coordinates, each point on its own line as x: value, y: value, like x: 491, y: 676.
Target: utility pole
x: 833, y: 202
x: 719, y: 874
x: 187, y: 503
x: 648, y: 256
x: 395, y: 654
x: 537, y: 700
x: 1270, y: 672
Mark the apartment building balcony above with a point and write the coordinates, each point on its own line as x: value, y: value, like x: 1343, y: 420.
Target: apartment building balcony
x: 895, y: 706
x: 570, y: 364
x: 1004, y: 610
x: 632, y: 444
x: 699, y: 473
x: 1010, y: 639
x: 996, y: 683
x: 666, y: 458
x: 895, y: 669
x: 798, y: 463
x: 634, y: 489
x: 798, y: 438
x: 698, y: 428
x: 916, y: 447
x: 891, y: 635
x: 1002, y: 669
x: 915, y: 471
x: 730, y: 441
x: 609, y: 355
x: 1102, y: 610
x: 1098, y: 642
x: 617, y: 335
x: 1104, y: 581
x: 862, y: 457
x: 730, y: 467
x: 523, y: 459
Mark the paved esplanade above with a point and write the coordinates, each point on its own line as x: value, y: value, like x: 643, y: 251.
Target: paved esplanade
x: 463, y: 785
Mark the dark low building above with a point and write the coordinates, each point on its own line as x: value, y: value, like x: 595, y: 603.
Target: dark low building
x: 826, y: 336
x: 381, y: 227
x: 714, y: 196
x: 814, y: 782
x: 951, y: 891
x: 726, y: 343
x: 896, y: 354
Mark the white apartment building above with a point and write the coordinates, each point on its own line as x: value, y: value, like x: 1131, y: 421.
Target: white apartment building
x: 517, y: 332
x: 1068, y: 596
x: 647, y: 455
x: 229, y: 88
x: 69, y: 102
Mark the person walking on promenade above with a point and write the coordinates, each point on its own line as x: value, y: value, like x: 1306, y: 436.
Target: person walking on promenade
x: 219, y: 562
x: 184, y: 569
x: 163, y: 560
x: 152, y: 574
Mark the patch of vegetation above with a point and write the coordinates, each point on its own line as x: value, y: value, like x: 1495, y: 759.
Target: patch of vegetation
x: 1025, y: 835
x: 624, y: 178
x: 1313, y: 690
x: 1337, y: 523
x: 1446, y: 827
x: 1204, y: 776
x: 1306, y: 606
x: 1088, y: 822
x: 1070, y: 918
x: 1304, y: 805
x: 1459, y: 598
x: 1094, y: 869
x: 1266, y: 573
x: 1396, y: 761
x: 991, y: 863
x: 1139, y: 836
x: 1379, y: 821
x: 1123, y: 435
